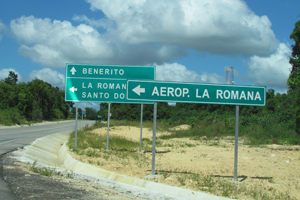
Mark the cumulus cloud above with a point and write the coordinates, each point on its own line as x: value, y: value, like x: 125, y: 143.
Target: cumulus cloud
x: 55, y: 43
x: 50, y: 76
x: 143, y: 31
x: 103, y: 23
x: 178, y: 72
x: 215, y: 26
x: 271, y: 71
x: 2, y: 28
x: 5, y: 72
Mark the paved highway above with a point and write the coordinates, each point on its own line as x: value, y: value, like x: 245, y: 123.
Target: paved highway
x: 12, y: 138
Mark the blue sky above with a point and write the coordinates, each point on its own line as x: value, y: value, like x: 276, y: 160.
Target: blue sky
x: 188, y: 40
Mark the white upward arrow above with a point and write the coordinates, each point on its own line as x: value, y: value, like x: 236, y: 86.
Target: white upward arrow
x: 73, y: 70
x: 138, y: 90
x: 73, y: 89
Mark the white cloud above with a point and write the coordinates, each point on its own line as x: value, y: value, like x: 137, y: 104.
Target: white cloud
x: 84, y: 105
x: 272, y: 71
x: 139, y: 32
x: 215, y: 26
x: 5, y: 72
x: 2, y: 28
x: 104, y: 23
x: 55, y: 43
x: 178, y: 72
x: 50, y: 76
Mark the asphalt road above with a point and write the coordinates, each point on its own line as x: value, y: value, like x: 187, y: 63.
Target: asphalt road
x: 17, y: 137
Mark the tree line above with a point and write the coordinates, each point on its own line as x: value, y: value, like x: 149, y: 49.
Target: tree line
x: 274, y: 123
x: 279, y: 107
x: 33, y: 101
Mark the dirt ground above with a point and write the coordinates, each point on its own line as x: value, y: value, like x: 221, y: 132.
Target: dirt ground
x: 25, y: 184
x: 271, y: 167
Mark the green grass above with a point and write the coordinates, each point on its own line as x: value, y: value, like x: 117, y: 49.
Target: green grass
x: 44, y: 171
x: 255, y: 133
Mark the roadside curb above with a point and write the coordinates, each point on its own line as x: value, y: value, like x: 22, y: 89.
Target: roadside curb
x: 51, y: 150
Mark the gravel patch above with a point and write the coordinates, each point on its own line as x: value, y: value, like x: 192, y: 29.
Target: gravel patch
x: 65, y: 184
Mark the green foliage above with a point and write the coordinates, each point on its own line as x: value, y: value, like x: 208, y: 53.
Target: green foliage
x: 12, y: 78
x: 91, y: 113
x: 35, y: 100
x: 11, y: 116
x: 274, y: 123
x: 294, y: 78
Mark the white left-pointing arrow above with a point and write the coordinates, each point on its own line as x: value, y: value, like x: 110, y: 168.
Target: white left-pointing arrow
x: 73, y: 89
x: 138, y: 90
x: 73, y: 70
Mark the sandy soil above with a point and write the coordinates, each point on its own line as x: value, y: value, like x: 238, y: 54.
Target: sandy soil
x: 211, y: 157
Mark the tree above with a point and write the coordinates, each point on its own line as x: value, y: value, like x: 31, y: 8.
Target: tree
x: 294, y: 78
x: 12, y: 78
x: 91, y: 113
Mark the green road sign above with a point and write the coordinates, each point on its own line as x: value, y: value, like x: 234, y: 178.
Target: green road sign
x: 110, y: 71
x: 94, y: 89
x: 103, y: 83
x: 196, y: 93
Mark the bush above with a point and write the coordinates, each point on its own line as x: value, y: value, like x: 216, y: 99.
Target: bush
x: 11, y: 116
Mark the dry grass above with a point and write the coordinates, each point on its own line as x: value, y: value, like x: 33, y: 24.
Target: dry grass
x: 193, y: 164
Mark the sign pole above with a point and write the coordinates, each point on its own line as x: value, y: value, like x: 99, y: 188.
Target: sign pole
x: 108, y: 118
x: 154, y: 138
x: 141, y: 132
x: 236, y: 142
x: 76, y: 125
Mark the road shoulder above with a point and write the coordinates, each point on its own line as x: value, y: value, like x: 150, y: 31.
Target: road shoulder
x: 28, y: 185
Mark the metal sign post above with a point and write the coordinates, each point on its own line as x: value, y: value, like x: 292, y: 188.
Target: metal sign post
x: 76, y: 125
x: 108, y: 118
x: 83, y: 112
x: 236, y: 141
x: 154, y: 137
x: 141, y: 132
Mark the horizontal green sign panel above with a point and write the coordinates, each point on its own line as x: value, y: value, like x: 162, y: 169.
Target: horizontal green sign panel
x: 196, y: 93
x: 98, y: 90
x: 110, y: 71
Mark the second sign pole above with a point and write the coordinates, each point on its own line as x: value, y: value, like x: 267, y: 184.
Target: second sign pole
x: 154, y: 137
x: 108, y: 118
